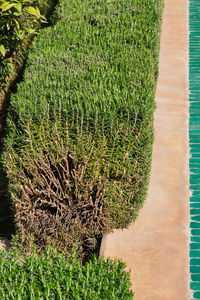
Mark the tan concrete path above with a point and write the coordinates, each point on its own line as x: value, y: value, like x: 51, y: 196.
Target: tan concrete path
x: 156, y: 247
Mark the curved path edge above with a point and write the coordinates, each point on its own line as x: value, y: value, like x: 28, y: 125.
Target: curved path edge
x: 156, y: 247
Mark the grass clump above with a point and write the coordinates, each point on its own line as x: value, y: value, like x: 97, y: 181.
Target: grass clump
x: 80, y: 127
x: 51, y: 276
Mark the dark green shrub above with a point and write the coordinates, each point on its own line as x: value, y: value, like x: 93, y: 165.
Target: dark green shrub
x: 51, y: 276
x: 16, y: 23
x: 80, y: 133
x: 19, y: 22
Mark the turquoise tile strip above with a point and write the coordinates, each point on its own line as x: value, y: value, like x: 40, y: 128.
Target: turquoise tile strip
x: 194, y: 140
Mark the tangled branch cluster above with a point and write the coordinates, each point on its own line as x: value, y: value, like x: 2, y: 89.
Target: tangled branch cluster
x: 59, y: 203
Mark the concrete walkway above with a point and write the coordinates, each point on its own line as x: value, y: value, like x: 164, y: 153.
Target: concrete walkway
x: 156, y: 247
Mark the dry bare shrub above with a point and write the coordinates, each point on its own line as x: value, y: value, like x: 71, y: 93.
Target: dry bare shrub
x: 58, y: 202
x: 69, y: 193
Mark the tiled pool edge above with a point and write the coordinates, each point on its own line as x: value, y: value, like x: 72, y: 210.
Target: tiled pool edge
x: 194, y: 143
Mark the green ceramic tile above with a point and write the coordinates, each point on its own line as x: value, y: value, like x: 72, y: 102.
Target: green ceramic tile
x: 195, y: 232
x: 195, y: 239
x: 194, y: 170
x: 194, y: 150
x: 195, y: 225
x: 193, y: 145
x: 194, y: 160
x: 195, y: 277
x: 194, y: 131
x: 194, y: 127
x: 194, y: 253
x: 194, y: 139
x: 194, y: 269
x: 194, y: 176
x: 195, y: 246
x: 194, y: 181
x: 196, y: 295
x: 195, y: 187
x: 195, y: 193
x: 194, y: 212
x: 195, y: 205
x: 195, y: 218
x: 195, y: 262
x: 197, y: 155
x: 195, y: 286
x: 195, y: 199
x: 194, y: 166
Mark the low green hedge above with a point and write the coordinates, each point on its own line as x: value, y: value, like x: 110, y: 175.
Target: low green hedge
x: 51, y: 276
x: 80, y: 127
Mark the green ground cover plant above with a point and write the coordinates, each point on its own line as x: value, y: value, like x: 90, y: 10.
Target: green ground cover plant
x: 80, y: 127
x: 51, y: 276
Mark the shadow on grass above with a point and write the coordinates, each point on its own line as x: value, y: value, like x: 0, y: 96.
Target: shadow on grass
x: 7, y: 222
x: 7, y: 227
